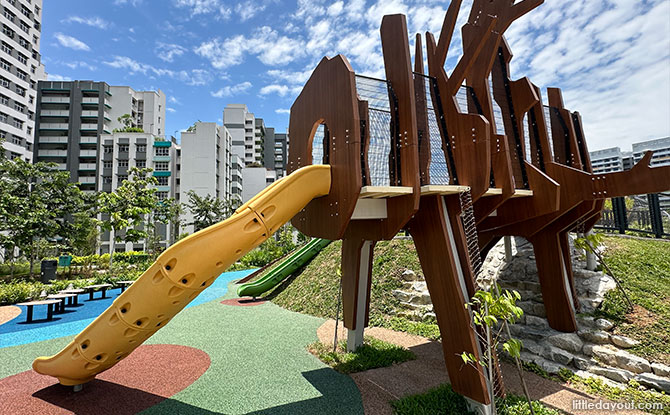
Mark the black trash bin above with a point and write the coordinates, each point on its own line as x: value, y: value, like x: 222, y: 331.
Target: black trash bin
x: 48, y: 270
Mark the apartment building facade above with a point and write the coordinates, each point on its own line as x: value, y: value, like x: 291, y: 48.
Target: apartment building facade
x: 209, y: 166
x: 122, y: 151
x: 72, y: 116
x: 661, y: 148
x: 247, y: 133
x: 20, y: 70
x: 275, y: 152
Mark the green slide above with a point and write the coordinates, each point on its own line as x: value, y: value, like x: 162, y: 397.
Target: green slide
x: 284, y: 269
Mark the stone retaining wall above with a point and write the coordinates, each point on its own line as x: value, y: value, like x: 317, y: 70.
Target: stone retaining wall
x: 591, y: 352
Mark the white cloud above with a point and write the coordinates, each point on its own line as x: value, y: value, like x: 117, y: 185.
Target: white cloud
x: 271, y: 49
x: 283, y: 111
x: 280, y: 90
x: 88, y: 21
x: 248, y: 9
x: 168, y: 109
x: 173, y: 100
x: 194, y: 77
x: 228, y: 91
x: 79, y: 64
x: 56, y: 77
x: 71, y: 42
x: 201, y: 7
x: 124, y: 2
x: 168, y: 51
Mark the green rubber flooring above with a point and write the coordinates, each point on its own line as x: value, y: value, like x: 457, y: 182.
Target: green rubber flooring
x: 259, y: 363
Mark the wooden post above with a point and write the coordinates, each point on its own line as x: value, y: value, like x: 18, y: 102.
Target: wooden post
x: 356, y: 278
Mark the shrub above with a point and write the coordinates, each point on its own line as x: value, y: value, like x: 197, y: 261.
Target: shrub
x: 18, y: 291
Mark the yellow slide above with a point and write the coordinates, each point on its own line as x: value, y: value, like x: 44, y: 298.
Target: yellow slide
x: 179, y: 274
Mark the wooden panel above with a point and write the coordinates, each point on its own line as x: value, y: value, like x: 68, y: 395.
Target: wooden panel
x: 351, y: 265
x: 328, y: 96
x: 640, y: 179
x: 431, y: 237
x: 441, y: 189
x: 385, y: 191
x: 566, y: 150
x: 567, y: 260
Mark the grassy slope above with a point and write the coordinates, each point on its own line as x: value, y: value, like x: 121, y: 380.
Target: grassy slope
x: 643, y: 266
x: 314, y: 290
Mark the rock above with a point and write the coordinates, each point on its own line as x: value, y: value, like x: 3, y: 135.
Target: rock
x: 586, y: 321
x: 539, y: 310
x: 557, y: 355
x: 606, y: 354
x: 603, y: 324
x: 618, y: 375
x: 588, y: 349
x: 567, y: 341
x: 536, y: 321
x: 631, y: 362
x: 409, y: 275
x: 532, y: 347
x: 660, y: 370
x: 401, y: 295
x: 595, y: 336
x: 624, y: 342
x: 583, y: 364
x: 550, y: 367
x: 653, y: 381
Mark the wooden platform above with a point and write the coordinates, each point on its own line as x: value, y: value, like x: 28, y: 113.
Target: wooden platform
x: 378, y: 192
x: 382, y: 192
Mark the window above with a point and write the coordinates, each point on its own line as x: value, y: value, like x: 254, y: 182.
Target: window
x: 163, y: 181
x: 108, y: 149
x: 29, y: 130
x: 3, y: 134
x: 7, y: 31
x: 122, y: 178
x: 140, y: 164
x: 25, y: 11
x: 25, y: 27
x: 37, y: 10
x: 19, y: 107
x: 7, y: 48
x: 123, y: 148
x: 4, y: 82
x: 162, y: 166
x: 141, y: 148
x: 123, y: 163
x: 32, y: 99
x: 35, y: 39
x: 5, y: 65
x: 21, y: 75
x: 162, y: 195
x: 162, y: 151
x: 3, y: 117
x: 24, y: 43
x: 16, y: 140
x: 18, y: 124
x: 4, y: 100
x: 21, y: 91
x: 9, y: 15
x: 107, y: 164
x: 107, y: 179
x: 22, y: 58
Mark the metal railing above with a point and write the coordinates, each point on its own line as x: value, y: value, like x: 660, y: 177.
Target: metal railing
x: 647, y: 214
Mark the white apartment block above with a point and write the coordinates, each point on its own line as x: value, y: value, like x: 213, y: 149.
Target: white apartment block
x: 247, y: 133
x: 208, y: 165
x: 607, y: 160
x: 661, y: 148
x: 146, y: 108
x: 20, y: 69
x: 256, y: 179
x: 120, y: 152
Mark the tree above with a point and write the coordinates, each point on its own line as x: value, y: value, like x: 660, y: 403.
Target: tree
x: 164, y: 212
x: 209, y: 210
x: 124, y: 209
x: 128, y: 125
x: 191, y: 129
x: 35, y: 202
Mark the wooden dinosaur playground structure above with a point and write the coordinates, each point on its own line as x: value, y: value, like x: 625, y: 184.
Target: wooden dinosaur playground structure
x: 457, y: 160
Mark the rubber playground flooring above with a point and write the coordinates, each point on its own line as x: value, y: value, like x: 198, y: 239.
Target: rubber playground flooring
x: 258, y: 364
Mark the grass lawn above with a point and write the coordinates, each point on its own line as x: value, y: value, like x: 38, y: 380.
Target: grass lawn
x: 643, y: 267
x: 316, y: 287
x: 373, y: 354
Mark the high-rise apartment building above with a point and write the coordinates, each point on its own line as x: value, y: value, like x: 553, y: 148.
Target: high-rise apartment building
x: 607, y: 160
x: 613, y: 159
x: 661, y: 147
x: 20, y: 70
x: 275, y: 152
x: 73, y: 115
x: 122, y: 151
x: 246, y: 131
x: 208, y: 165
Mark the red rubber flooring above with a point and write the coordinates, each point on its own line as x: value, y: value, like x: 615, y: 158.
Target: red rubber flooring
x: 146, y: 377
x: 242, y: 302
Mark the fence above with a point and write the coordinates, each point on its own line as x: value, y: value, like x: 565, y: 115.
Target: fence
x: 649, y: 214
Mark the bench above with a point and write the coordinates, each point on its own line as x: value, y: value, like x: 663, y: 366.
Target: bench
x: 60, y: 308
x: 124, y: 284
x: 31, y: 304
x: 74, y: 300
x: 93, y: 288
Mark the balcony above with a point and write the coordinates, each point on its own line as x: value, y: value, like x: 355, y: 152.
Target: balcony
x: 90, y: 100
x: 87, y: 179
x: 55, y: 113
x: 56, y: 100
x: 54, y: 126
x: 88, y: 153
x: 87, y: 166
x: 53, y: 139
x: 89, y: 126
x: 52, y: 153
x: 89, y: 113
x: 88, y: 140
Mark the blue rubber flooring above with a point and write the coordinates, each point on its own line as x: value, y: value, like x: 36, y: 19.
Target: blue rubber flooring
x: 75, y: 319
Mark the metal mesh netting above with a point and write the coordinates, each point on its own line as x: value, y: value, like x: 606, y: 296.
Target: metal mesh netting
x: 317, y: 145
x: 375, y: 92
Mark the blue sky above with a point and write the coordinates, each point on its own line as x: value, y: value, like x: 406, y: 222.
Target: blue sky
x: 611, y: 57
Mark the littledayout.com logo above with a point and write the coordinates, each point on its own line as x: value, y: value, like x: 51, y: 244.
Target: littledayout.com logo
x: 614, y: 407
